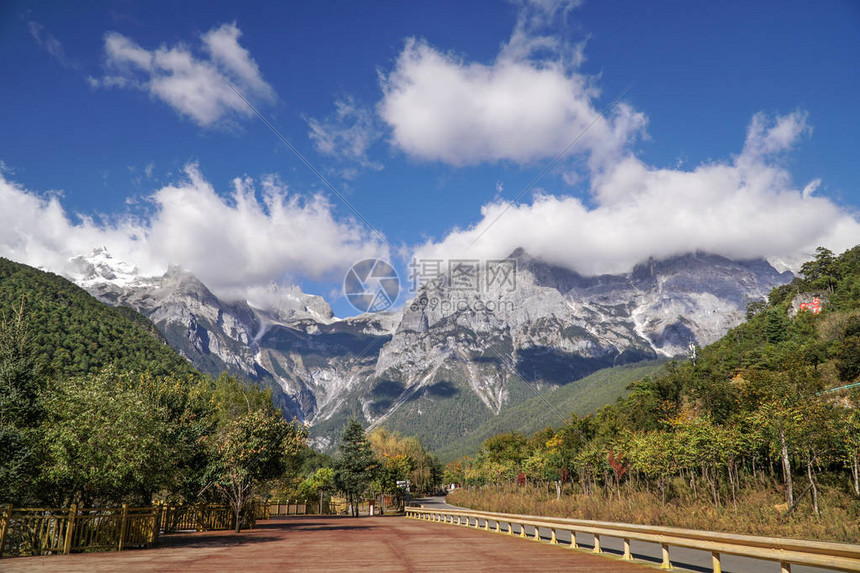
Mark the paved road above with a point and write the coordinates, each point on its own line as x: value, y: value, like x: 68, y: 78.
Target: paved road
x: 371, y: 544
x: 682, y: 557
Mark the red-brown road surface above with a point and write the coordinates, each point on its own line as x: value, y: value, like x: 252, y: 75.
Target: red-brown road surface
x: 369, y: 544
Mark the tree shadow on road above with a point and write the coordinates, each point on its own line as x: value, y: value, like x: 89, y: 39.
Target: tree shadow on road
x: 225, y: 539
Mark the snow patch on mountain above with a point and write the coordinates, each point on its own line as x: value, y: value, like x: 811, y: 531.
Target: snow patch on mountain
x: 489, y: 347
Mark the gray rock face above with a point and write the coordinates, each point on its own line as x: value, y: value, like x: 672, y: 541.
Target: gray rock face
x: 476, y: 350
x: 556, y: 326
x: 214, y: 335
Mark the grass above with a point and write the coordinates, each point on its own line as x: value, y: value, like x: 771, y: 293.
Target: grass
x: 759, y: 510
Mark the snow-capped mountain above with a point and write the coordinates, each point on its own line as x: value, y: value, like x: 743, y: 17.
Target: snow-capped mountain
x: 479, y: 350
x: 557, y: 326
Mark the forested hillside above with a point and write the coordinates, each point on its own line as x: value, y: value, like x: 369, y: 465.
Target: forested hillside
x: 74, y: 334
x: 580, y: 398
x: 96, y: 409
x: 757, y: 431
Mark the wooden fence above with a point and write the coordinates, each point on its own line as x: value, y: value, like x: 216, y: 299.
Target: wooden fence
x: 47, y: 531
x: 206, y: 517
x: 281, y: 508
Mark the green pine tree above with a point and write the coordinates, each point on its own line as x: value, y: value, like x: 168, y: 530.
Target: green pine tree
x: 356, y: 465
x: 20, y: 411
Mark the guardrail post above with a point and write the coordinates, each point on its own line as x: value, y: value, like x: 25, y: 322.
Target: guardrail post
x: 785, y: 552
x: 666, y: 564
x: 123, y: 525
x: 70, y: 528
x: 5, y: 518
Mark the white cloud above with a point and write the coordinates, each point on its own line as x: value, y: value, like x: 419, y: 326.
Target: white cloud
x: 193, y: 86
x: 532, y: 35
x: 529, y: 104
x: 743, y: 208
x: 766, y: 138
x: 234, y: 245
x: 50, y: 44
x: 347, y: 135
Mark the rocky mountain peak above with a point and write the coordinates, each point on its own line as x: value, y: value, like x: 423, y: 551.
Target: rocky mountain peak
x: 289, y: 303
x: 101, y: 267
x: 520, y: 329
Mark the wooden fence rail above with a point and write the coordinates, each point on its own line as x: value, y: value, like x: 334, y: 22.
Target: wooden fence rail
x: 839, y: 556
x: 47, y: 531
x: 280, y: 508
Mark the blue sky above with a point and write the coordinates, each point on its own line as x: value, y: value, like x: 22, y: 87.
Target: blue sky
x: 737, y: 135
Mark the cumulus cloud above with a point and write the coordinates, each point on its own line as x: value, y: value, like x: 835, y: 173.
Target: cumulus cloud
x: 529, y: 104
x: 259, y: 234
x: 50, y: 44
x: 742, y: 208
x: 192, y: 85
x: 347, y: 135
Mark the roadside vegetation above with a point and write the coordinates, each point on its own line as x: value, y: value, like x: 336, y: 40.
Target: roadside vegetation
x: 367, y: 466
x: 96, y: 410
x: 751, y: 435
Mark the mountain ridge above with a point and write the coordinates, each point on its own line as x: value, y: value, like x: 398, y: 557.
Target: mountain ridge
x: 555, y: 327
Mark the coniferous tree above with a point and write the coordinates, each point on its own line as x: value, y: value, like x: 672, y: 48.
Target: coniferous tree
x: 20, y: 411
x: 356, y: 465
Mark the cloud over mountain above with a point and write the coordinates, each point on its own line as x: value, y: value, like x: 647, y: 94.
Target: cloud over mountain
x: 258, y: 234
x: 746, y: 207
x: 531, y: 102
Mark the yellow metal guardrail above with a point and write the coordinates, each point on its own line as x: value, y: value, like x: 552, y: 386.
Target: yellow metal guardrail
x: 839, y: 556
